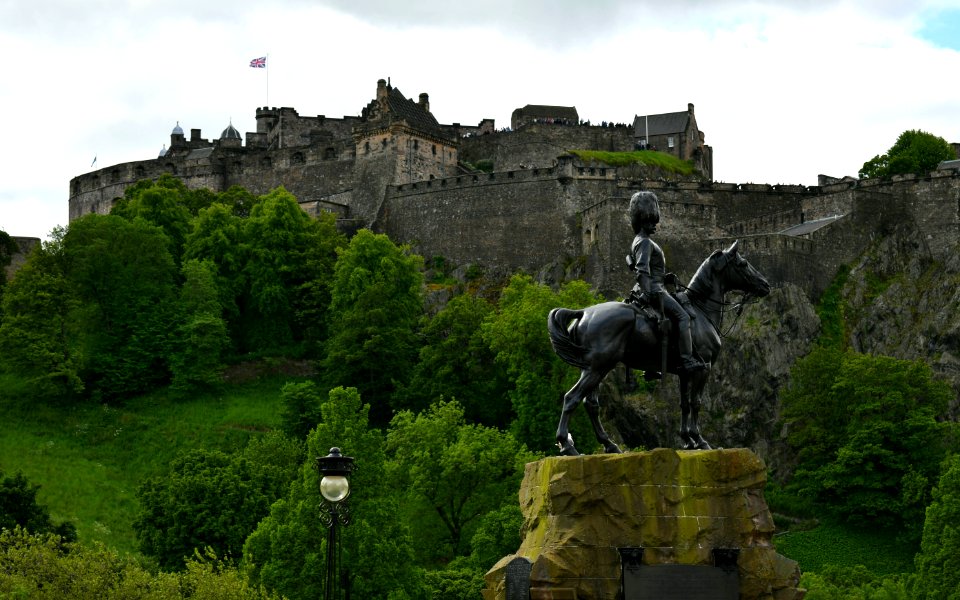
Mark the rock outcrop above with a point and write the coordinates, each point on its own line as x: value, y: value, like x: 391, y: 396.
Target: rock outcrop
x: 677, y: 506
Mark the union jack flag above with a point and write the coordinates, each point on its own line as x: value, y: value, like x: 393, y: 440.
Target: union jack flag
x: 259, y: 63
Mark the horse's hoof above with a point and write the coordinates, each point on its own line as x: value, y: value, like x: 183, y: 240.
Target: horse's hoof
x: 612, y: 448
x: 699, y: 443
x: 568, y: 450
x: 688, y: 443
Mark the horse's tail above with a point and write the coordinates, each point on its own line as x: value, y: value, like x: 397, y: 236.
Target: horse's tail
x: 560, y: 322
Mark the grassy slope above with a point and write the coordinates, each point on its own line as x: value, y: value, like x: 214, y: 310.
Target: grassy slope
x: 651, y: 158
x: 843, y: 546
x: 89, y: 459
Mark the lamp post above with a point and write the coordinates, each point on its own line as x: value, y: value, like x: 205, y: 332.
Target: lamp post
x: 335, y: 472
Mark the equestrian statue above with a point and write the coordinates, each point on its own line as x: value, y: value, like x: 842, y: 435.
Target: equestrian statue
x: 652, y: 330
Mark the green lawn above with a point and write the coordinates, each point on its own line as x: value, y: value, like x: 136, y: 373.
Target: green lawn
x: 89, y: 458
x: 844, y: 546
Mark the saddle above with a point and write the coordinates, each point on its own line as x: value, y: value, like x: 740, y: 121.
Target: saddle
x: 662, y: 326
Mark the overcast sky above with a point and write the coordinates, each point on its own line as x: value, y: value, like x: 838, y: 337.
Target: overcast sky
x: 783, y: 91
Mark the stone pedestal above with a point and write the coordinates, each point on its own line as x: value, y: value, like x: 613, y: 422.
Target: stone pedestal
x: 677, y: 505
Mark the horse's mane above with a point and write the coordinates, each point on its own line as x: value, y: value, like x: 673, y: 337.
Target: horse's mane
x: 698, y: 283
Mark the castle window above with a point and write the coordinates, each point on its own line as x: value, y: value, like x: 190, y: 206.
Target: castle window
x: 434, y: 149
x: 416, y: 145
x: 384, y: 142
x: 670, y: 141
x: 329, y: 154
x: 297, y: 158
x: 366, y: 147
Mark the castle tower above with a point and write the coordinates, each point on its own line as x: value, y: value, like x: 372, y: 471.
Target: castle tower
x: 177, y: 139
x: 399, y: 141
x: 230, y: 138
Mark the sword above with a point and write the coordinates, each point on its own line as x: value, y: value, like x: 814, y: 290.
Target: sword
x: 664, y: 339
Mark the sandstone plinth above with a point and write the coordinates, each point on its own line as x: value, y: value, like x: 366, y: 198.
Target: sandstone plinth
x: 678, y: 506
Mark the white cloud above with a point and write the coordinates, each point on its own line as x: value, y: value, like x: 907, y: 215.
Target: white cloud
x: 783, y: 92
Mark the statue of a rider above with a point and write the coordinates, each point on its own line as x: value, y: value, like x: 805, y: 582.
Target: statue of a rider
x: 648, y: 264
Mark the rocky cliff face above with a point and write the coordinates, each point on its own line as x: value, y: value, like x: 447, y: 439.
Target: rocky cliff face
x: 900, y: 301
x: 741, y: 406
x: 897, y: 299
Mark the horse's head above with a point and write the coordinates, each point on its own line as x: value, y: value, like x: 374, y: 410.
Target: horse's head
x: 736, y: 273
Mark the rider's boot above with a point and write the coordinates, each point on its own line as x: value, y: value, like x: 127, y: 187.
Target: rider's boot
x: 687, y: 362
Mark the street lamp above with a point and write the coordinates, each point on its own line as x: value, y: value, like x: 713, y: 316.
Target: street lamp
x: 335, y: 472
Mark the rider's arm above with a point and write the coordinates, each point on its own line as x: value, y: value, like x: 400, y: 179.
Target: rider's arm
x: 642, y: 252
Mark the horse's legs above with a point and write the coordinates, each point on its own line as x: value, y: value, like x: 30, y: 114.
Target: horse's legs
x: 592, y: 406
x: 685, y: 418
x: 697, y: 385
x: 584, y: 386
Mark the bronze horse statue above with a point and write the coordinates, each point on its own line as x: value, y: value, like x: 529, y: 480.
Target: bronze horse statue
x: 596, y: 338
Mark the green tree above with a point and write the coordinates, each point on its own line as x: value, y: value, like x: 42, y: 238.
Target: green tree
x: 38, y: 335
x: 456, y: 363
x: 19, y: 508
x: 287, y: 552
x: 915, y: 151
x: 301, y: 408
x: 877, y: 443
x: 217, y: 235
x: 124, y: 277
x: 162, y: 203
x: 938, y: 563
x: 376, y: 303
x: 452, y: 473
x: 202, y: 336
x: 210, y: 499
x: 273, y: 269
x: 517, y: 333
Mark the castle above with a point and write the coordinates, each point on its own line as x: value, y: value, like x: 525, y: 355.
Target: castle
x: 396, y: 169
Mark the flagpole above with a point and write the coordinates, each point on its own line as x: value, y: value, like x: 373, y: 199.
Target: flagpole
x: 267, y: 69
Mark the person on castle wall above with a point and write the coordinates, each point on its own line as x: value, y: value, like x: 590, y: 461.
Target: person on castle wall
x: 647, y: 261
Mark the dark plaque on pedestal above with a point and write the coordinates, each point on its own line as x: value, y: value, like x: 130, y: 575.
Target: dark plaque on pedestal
x: 518, y: 579
x: 681, y: 582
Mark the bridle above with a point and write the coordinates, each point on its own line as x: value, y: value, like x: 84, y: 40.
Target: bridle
x: 700, y: 299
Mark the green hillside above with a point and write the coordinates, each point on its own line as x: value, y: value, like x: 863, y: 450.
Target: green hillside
x: 89, y: 459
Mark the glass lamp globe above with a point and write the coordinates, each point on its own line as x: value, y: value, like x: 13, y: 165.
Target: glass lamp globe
x: 334, y: 487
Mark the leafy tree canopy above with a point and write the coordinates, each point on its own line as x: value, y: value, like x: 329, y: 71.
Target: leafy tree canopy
x: 42, y: 567
x: 210, y: 499
x: 456, y: 363
x: 38, y: 333
x: 915, y: 151
x: 452, y: 473
x: 19, y: 508
x: 287, y: 552
x: 938, y: 563
x: 517, y: 333
x: 376, y: 304
x: 867, y: 433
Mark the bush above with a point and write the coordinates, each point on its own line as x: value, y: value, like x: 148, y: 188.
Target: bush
x: 41, y: 567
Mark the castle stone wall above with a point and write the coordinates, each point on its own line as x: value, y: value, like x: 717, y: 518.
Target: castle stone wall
x: 540, y: 145
x: 518, y: 220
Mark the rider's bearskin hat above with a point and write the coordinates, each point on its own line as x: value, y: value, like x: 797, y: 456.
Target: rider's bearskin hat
x: 644, y: 208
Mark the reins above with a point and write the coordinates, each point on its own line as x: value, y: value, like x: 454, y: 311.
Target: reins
x: 699, y: 298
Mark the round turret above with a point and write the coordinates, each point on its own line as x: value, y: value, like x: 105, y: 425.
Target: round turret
x: 163, y: 151
x: 177, y: 130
